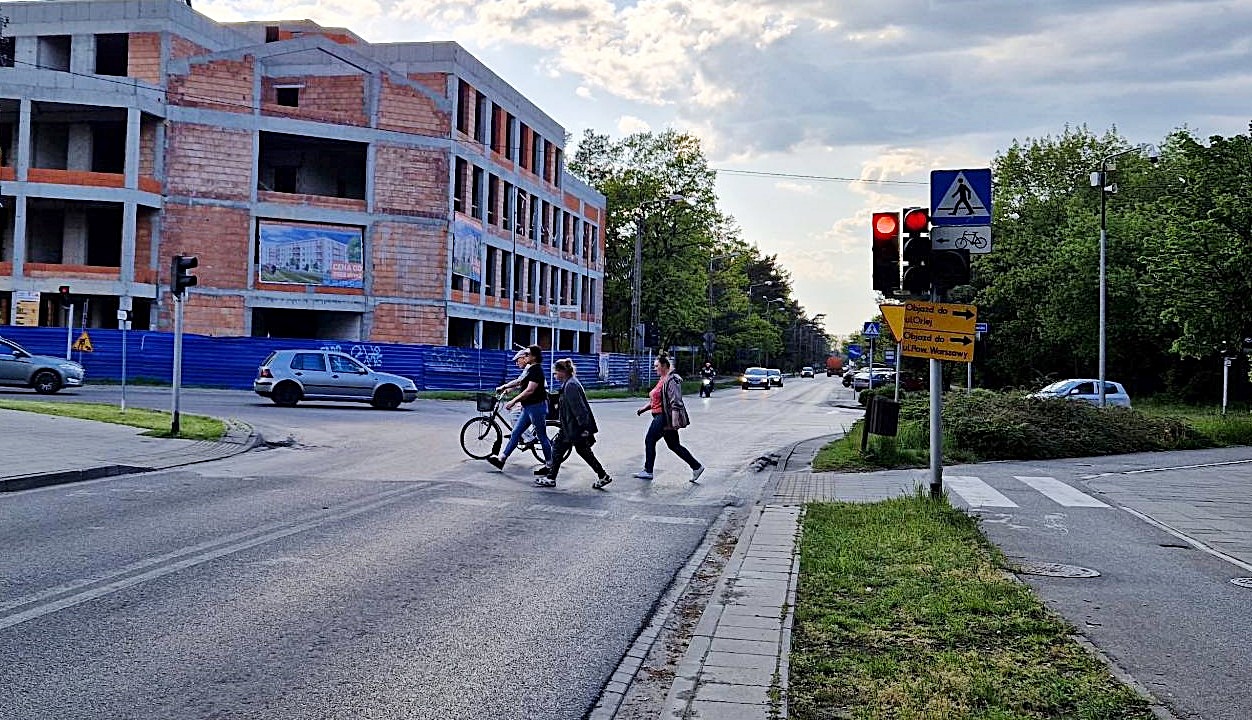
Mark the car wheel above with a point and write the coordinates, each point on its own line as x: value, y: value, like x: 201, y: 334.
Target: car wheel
x: 46, y: 382
x: 286, y: 394
x: 387, y: 397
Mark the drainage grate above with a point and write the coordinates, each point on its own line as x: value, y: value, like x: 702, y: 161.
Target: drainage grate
x: 1056, y: 570
x: 1242, y: 582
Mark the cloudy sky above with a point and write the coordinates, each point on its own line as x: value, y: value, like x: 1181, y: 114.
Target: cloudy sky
x: 866, y: 95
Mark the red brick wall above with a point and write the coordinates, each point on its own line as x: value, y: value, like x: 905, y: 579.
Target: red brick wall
x: 216, y: 315
x: 339, y: 100
x: 409, y: 260
x: 405, y: 109
x: 143, y: 59
x: 224, y: 85
x: 410, y: 324
x: 147, y: 148
x: 143, y: 241
x: 437, y: 82
x: 411, y: 181
x: 181, y: 47
x: 207, y: 161
x: 218, y: 236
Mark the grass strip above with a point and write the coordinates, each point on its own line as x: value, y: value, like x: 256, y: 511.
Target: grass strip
x: 157, y: 422
x: 903, y: 612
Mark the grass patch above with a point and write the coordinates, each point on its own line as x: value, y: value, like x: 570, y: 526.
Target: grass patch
x: 157, y: 422
x: 902, y: 612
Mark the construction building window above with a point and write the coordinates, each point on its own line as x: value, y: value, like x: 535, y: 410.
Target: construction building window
x: 510, y: 137
x: 523, y: 150
x: 312, y: 166
x: 476, y: 193
x: 499, y: 131
x: 53, y: 52
x: 493, y: 200
x: 482, y: 116
x: 112, y: 51
x: 6, y: 52
x: 489, y: 273
x: 510, y: 198
x: 271, y: 33
x: 464, y: 96
x: 460, y: 168
x: 287, y: 95
x: 536, y: 153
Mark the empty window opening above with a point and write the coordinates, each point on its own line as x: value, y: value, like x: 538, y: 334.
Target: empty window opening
x: 306, y: 324
x: 112, y: 51
x: 287, y: 95
x: 53, y: 52
x: 108, y: 147
x: 104, y: 236
x: 6, y: 52
x: 476, y: 193
x: 312, y: 166
x: 460, y: 170
x: 271, y: 33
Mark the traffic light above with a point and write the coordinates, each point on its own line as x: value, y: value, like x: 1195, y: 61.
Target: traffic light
x: 886, y: 232
x: 949, y: 267
x: 916, y: 253
x: 180, y: 275
x: 65, y: 295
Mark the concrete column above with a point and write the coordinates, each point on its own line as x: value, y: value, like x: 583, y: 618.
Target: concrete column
x: 74, y: 239
x: 21, y: 162
x: 132, y: 148
x: 25, y: 52
x: 83, y: 54
x: 19, y: 235
x: 78, y: 150
x: 130, y: 222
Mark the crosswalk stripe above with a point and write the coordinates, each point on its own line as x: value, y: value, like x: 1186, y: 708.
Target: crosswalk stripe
x: 670, y: 520
x: 570, y: 510
x: 1061, y: 493
x: 474, y: 502
x: 976, y: 492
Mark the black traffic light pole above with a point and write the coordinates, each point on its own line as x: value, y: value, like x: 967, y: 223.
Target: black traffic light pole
x: 180, y: 279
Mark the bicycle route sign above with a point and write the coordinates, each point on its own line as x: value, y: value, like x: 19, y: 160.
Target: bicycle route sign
x: 975, y: 238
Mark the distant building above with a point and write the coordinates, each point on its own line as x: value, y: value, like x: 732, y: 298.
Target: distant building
x: 331, y: 188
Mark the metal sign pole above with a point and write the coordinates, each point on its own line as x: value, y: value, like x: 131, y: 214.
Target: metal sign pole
x: 899, y: 348
x: 69, y: 331
x: 936, y: 421
x: 125, y: 327
x: 178, y: 361
x: 1225, y: 381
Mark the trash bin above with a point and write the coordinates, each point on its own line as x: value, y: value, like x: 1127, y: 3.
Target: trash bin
x: 884, y: 416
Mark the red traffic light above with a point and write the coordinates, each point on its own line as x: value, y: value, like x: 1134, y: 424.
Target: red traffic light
x: 886, y: 225
x: 916, y: 220
x: 64, y: 289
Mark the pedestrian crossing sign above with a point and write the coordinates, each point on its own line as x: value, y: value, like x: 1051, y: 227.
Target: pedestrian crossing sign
x: 83, y: 343
x: 960, y: 197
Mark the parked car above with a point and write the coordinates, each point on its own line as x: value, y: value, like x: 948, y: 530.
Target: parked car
x: 882, y: 376
x: 44, y: 373
x: 1085, y: 389
x: 289, y: 376
x: 755, y: 377
x: 775, y: 376
x: 806, y: 372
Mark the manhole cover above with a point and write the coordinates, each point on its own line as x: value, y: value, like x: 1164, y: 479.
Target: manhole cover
x: 1242, y: 582
x: 1056, y: 570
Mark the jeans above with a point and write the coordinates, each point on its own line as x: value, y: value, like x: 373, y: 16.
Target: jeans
x: 536, y: 415
x: 583, y: 448
x: 656, y: 431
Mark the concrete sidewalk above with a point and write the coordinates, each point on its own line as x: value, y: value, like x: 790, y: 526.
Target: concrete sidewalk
x: 40, y: 450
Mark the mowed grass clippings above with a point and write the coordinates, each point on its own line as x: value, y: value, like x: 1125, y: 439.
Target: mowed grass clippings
x: 903, y: 612
x: 156, y: 422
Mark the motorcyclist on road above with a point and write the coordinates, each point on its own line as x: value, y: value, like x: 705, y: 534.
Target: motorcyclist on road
x: 707, y: 373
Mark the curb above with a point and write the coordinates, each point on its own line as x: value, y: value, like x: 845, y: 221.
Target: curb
x: 239, y: 438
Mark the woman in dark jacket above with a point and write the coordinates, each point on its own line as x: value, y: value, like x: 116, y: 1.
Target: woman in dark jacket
x: 578, y: 427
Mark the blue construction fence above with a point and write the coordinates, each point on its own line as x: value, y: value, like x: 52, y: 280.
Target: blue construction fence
x: 232, y: 362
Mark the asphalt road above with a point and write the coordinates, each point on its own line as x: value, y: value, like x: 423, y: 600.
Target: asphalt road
x: 370, y: 570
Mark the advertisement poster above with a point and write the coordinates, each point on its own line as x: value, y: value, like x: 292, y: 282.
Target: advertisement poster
x: 467, y: 252
x: 309, y: 254
x: 26, y: 308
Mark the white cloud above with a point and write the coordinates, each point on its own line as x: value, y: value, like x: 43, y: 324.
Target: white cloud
x: 629, y: 124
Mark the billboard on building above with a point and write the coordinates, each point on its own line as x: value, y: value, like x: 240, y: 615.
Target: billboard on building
x: 467, y: 251
x: 309, y: 253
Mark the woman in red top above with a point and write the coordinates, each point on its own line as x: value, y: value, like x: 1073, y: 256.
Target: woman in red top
x: 665, y: 402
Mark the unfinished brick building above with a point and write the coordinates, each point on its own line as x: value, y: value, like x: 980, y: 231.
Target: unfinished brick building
x: 331, y: 188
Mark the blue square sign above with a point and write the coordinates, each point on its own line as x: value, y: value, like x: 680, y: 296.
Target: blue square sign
x: 960, y: 197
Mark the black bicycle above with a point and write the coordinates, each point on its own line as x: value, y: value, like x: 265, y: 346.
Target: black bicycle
x: 483, y: 436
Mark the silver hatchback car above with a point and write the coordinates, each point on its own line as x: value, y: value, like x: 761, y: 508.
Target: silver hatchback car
x: 289, y: 376
x: 1087, y: 390
x: 44, y: 373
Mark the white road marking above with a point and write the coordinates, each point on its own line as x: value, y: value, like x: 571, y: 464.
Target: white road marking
x: 562, y: 510
x: 670, y: 520
x: 976, y: 492
x: 1061, y: 493
x: 476, y: 502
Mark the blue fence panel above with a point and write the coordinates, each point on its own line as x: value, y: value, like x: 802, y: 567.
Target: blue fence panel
x: 232, y: 362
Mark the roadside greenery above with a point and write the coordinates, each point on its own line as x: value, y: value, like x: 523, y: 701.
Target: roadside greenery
x: 985, y: 425
x: 157, y: 422
x: 902, y: 611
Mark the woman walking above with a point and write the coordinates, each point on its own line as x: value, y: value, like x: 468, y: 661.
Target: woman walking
x: 578, y: 427
x: 534, y: 401
x: 669, y: 415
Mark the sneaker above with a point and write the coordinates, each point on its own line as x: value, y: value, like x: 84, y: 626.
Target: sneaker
x: 599, y: 484
x: 695, y: 474
x: 643, y: 475
x: 543, y: 470
x: 545, y: 481
x: 496, y: 462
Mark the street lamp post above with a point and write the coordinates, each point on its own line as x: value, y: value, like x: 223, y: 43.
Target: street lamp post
x: 1100, y: 179
x: 708, y: 333
x: 636, y: 286
x: 751, y: 287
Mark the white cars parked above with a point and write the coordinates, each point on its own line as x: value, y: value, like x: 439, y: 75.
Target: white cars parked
x: 1087, y: 390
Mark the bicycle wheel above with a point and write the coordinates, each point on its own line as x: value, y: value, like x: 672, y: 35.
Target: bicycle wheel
x: 480, y: 438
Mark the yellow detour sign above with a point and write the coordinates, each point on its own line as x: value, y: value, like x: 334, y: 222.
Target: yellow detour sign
x: 939, y: 331
x: 83, y: 343
x: 894, y: 315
